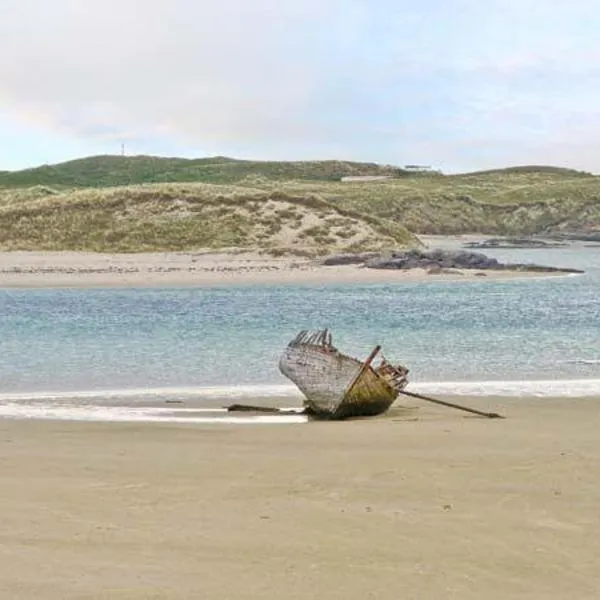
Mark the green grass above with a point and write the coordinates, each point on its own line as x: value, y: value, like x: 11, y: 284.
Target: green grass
x: 107, y: 171
x: 78, y: 205
x: 177, y: 217
x: 500, y: 202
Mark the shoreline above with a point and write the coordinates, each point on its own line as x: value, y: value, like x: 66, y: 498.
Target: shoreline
x: 179, y: 409
x: 22, y: 269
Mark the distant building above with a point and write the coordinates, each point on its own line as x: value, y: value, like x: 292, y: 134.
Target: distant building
x: 417, y: 167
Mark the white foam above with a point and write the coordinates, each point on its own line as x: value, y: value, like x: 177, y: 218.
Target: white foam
x: 584, y: 361
x: 216, y: 392
x: 102, y: 404
x: 131, y: 415
x: 551, y: 388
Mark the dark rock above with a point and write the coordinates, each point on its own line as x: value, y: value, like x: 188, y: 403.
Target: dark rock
x: 442, y: 271
x: 591, y: 235
x: 531, y: 268
x: 348, y: 259
x: 514, y: 242
x: 435, y: 259
x: 386, y: 263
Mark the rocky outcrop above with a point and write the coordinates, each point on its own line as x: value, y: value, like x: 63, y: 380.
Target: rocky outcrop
x: 578, y: 236
x: 436, y: 261
x: 349, y: 259
x: 513, y: 243
x: 423, y: 259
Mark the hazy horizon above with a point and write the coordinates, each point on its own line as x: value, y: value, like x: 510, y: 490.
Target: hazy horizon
x: 340, y: 159
x: 461, y: 86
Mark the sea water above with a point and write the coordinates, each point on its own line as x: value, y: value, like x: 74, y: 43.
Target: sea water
x: 153, y: 354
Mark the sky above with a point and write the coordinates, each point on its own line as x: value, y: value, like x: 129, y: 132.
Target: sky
x: 456, y: 84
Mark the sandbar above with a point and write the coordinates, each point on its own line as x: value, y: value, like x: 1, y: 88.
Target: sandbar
x: 204, y: 269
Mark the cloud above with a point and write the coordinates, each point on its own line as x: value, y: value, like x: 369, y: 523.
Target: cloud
x: 218, y: 70
x: 385, y: 80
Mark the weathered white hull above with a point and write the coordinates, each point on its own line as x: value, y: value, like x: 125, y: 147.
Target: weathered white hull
x: 323, y: 377
x: 335, y: 385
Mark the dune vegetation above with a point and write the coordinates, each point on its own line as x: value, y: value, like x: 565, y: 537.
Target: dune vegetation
x: 504, y: 202
x: 179, y: 217
x: 113, y: 203
x: 109, y: 171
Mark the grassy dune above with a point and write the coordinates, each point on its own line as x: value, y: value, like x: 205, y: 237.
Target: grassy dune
x: 185, y: 216
x: 499, y: 202
x: 279, y: 206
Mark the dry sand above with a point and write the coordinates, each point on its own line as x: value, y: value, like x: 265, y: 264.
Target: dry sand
x: 85, y: 269
x: 421, y: 504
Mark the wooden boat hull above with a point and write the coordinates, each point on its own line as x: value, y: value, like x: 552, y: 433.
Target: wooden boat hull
x: 337, y: 386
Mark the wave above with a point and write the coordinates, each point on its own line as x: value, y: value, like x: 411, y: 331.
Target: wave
x: 162, y: 393
x: 133, y: 396
x: 128, y: 414
x: 564, y: 388
x: 584, y: 361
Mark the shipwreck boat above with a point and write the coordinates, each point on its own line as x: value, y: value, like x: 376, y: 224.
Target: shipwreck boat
x: 337, y: 386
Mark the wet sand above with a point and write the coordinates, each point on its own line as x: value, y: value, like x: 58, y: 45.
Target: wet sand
x: 85, y: 269
x: 426, y: 503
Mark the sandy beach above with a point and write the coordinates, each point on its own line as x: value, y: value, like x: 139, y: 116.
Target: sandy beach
x: 424, y: 503
x: 84, y: 269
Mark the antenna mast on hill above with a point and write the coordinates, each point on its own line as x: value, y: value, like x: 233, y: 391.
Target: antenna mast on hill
x: 122, y: 149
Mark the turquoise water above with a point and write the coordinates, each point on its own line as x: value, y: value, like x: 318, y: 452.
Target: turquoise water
x: 537, y: 336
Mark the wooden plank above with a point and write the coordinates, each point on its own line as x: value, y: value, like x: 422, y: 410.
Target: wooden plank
x: 489, y: 415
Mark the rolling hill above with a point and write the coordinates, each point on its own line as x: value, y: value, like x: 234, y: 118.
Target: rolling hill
x: 115, y: 203
x: 107, y: 171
